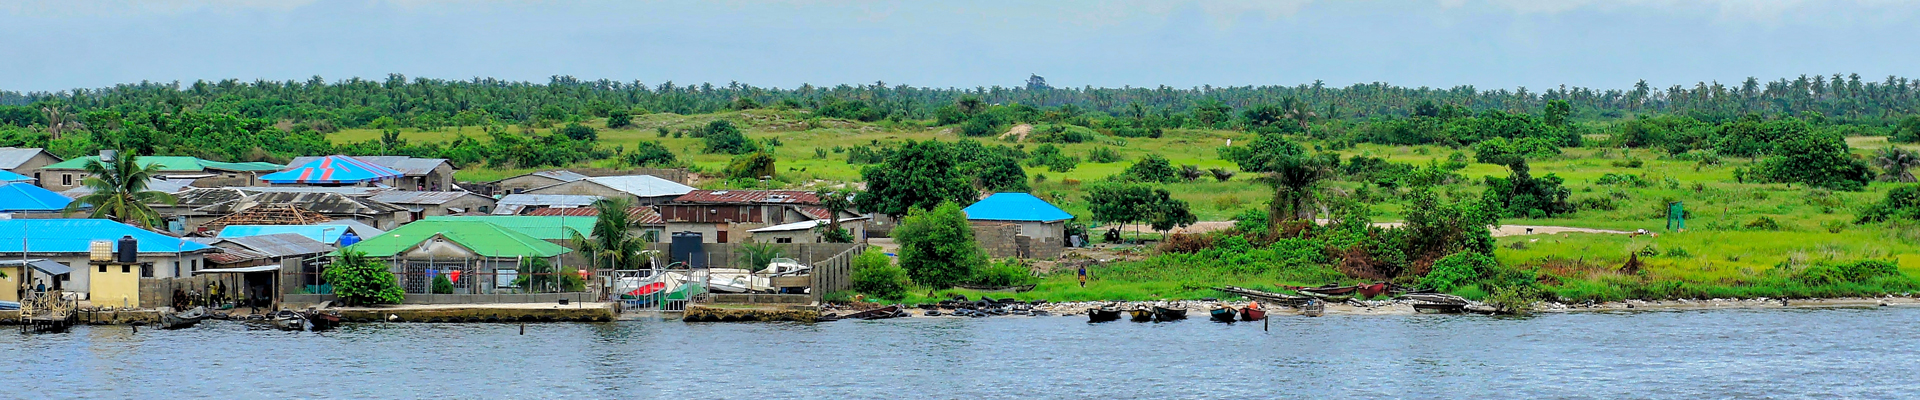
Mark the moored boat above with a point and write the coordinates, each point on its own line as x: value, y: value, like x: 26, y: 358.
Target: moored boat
x: 1103, y: 314
x: 1222, y: 313
x: 183, y: 319
x: 1252, y: 312
x: 321, y: 320
x: 1141, y: 314
x: 1169, y: 314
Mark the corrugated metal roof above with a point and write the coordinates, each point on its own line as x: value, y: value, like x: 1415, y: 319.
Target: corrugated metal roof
x: 21, y: 196
x: 317, y: 233
x: 512, y: 203
x: 333, y: 169
x: 358, y: 191
x: 408, y: 165
x: 749, y: 197
x: 802, y: 225
x: 1015, y: 207
x: 277, y: 244
x: 232, y: 256
x: 157, y: 184
x: 9, y: 176
x: 358, y: 228
x: 76, y: 235
x: 202, y: 197
x: 324, y: 203
x: 645, y: 215
x: 413, y: 197
x: 482, y: 238
x: 560, y: 175
x: 642, y: 185
x: 13, y: 157
x: 174, y: 164
x: 543, y: 228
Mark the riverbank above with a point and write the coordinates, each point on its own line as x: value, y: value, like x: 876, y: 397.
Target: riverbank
x: 1199, y: 308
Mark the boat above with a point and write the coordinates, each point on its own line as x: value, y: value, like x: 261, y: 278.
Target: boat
x: 9, y: 305
x: 1327, y: 290
x: 1436, y: 308
x: 322, y: 320
x: 1003, y: 289
x: 1169, y: 314
x: 287, y: 321
x: 1141, y: 314
x: 877, y: 313
x: 1103, y: 314
x: 1253, y: 312
x: 735, y: 280
x: 1222, y: 313
x: 183, y: 319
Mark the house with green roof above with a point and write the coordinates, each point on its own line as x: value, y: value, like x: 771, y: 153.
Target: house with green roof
x: 70, y: 174
x: 479, y: 257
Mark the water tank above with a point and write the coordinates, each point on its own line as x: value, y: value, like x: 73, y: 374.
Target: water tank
x: 100, y: 250
x: 129, y: 250
x: 348, y: 239
x: 686, y: 249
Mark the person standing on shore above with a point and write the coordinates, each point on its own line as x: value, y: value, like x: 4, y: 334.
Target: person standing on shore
x: 1083, y: 276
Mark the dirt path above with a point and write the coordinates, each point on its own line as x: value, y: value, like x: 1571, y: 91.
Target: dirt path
x: 1503, y: 230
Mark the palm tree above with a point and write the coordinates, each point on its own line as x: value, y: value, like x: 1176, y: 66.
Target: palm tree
x: 1298, y: 111
x: 835, y: 201
x: 1292, y: 178
x: 1896, y: 163
x: 120, y: 191
x: 613, y: 246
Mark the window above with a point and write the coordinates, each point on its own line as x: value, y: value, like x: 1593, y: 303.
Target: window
x: 66, y: 179
x: 419, y: 215
x: 194, y: 266
x: 125, y: 268
x: 783, y: 240
x: 146, y: 271
x: 176, y: 268
x: 103, y: 268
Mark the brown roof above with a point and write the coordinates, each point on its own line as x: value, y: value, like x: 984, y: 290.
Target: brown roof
x: 748, y: 197
x: 232, y: 256
x: 643, y: 215
x: 816, y: 212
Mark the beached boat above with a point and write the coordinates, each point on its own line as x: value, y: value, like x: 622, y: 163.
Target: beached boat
x: 1141, y: 314
x: 877, y: 313
x: 1253, y: 312
x: 322, y: 320
x: 1103, y: 314
x: 1328, y: 290
x: 1169, y: 314
x: 183, y: 319
x: 287, y: 321
x: 735, y: 280
x: 1222, y: 313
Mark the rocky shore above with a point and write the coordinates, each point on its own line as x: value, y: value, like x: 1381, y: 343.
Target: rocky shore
x: 1405, y: 307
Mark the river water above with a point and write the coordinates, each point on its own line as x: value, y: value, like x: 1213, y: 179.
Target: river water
x: 1770, y: 353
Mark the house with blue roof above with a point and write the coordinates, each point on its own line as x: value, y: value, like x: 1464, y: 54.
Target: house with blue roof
x: 69, y: 242
x: 1019, y: 225
x: 25, y: 197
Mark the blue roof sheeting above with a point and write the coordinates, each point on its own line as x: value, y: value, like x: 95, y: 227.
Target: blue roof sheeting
x: 1015, y: 207
x: 16, y: 197
x: 77, y: 235
x: 333, y: 169
x: 9, y: 176
x: 320, y: 233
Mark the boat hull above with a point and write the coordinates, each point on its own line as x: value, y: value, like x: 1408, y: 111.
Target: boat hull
x: 1169, y: 314
x: 1223, y: 314
x: 1251, y: 313
x: 1102, y: 315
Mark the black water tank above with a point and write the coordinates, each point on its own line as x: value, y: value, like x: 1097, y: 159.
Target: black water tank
x: 686, y: 249
x: 129, y: 250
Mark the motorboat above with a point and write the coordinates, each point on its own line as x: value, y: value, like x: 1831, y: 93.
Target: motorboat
x: 735, y: 280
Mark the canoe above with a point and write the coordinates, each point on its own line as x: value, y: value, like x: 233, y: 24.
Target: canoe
x: 1333, y: 290
x: 183, y: 319
x: 1222, y: 314
x: 1434, y: 308
x: 1374, y: 290
x: 1141, y: 314
x: 322, y: 320
x: 1252, y: 312
x: 1169, y: 314
x: 1103, y: 314
x: 877, y: 313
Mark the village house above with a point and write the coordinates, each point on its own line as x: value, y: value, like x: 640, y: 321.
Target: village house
x: 521, y: 204
x: 811, y: 231
x: 477, y: 257
x: 334, y: 206
x: 649, y: 225
x: 1018, y: 225
x: 534, y: 180
x: 643, y: 190
x: 421, y: 174
x: 728, y: 216
x: 26, y: 161
x: 17, y: 277
x: 423, y: 205
x: 332, y: 233
x: 298, y: 258
x: 71, y: 174
x: 69, y: 242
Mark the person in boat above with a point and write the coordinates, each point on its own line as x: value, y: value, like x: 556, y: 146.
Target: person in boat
x: 1083, y: 276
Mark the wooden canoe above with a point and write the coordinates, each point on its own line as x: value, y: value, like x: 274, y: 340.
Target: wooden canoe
x: 1141, y: 314
x: 1252, y: 312
x: 1169, y: 314
x: 1006, y: 289
x: 1223, y: 314
x: 1103, y: 314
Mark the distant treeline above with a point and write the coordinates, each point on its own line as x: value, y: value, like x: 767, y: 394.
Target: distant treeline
x: 422, y: 102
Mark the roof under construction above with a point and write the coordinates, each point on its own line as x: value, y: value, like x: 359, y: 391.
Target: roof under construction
x: 324, y: 203
x: 268, y: 214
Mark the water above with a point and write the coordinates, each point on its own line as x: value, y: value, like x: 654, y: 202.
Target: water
x: 1774, y: 353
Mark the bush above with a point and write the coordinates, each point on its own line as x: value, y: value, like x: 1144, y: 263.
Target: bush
x: 1853, y: 272
x: 1763, y: 224
x: 724, y: 138
x: 937, y: 247
x: 1901, y: 203
x: 751, y: 166
x: 359, y: 280
x: 1457, y: 271
x: 441, y: 285
x: 1152, y: 168
x: 1621, y: 180
x: 617, y: 119
x: 1062, y: 134
x: 1008, y: 272
x: 650, y: 154
x: 1103, y: 155
x: 875, y: 275
x: 576, y: 131
x: 1186, y: 243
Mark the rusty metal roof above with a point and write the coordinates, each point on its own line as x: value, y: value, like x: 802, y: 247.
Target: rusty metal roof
x: 748, y: 197
x: 644, y: 215
x: 413, y: 197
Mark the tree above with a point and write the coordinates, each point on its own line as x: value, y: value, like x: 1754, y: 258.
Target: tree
x: 1908, y: 131
x: 120, y: 191
x: 1895, y: 164
x: 915, y: 175
x: 359, y: 281
x: 758, y: 165
x: 1435, y: 229
x: 997, y: 171
x: 1152, y: 168
x: 1818, y: 159
x: 612, y: 244
x: 724, y: 138
x: 1293, y: 108
x: 619, y: 118
x: 442, y: 285
x: 757, y: 256
x: 836, y: 202
x: 1527, y: 197
x: 1557, y: 112
x: 1190, y: 172
x: 875, y: 275
x: 937, y: 247
x: 650, y: 154
x: 1124, y: 202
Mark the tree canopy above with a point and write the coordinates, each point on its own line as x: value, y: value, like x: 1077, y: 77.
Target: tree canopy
x: 917, y: 174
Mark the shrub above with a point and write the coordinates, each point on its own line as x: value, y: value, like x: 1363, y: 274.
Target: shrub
x: 1853, y: 272
x: 724, y: 138
x: 1628, y: 163
x: 1186, y: 243
x: 1152, y: 168
x: 874, y: 274
x: 1457, y: 271
x: 1252, y: 221
x: 1901, y: 203
x: 1004, y: 273
x: 1621, y: 180
x: 576, y: 131
x: 441, y: 285
x: 1103, y: 155
x: 1763, y: 224
x: 937, y: 247
x: 617, y: 119
x: 359, y: 280
x: 650, y: 154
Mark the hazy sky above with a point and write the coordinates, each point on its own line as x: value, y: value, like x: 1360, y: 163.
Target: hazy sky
x: 62, y: 44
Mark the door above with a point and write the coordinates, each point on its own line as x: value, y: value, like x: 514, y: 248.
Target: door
x: 721, y: 237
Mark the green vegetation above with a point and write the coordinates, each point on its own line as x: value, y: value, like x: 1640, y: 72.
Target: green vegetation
x: 936, y: 246
x: 120, y: 191
x: 361, y: 281
x: 875, y: 275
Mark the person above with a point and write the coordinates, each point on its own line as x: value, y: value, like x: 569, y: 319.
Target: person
x: 1083, y: 276
x: 42, y: 287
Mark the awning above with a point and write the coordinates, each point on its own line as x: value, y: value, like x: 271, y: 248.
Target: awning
x: 43, y: 265
x: 239, y: 270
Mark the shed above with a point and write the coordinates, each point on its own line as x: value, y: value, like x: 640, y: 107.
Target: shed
x: 1040, y: 222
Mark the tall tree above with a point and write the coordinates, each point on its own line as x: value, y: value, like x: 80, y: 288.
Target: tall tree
x: 613, y: 245
x: 120, y: 191
x: 916, y: 175
x: 937, y: 247
x: 836, y: 201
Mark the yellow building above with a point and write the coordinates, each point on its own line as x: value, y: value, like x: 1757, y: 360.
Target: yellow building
x: 115, y: 285
x: 10, y: 286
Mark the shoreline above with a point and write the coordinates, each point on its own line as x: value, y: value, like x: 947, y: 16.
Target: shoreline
x: 1404, y: 307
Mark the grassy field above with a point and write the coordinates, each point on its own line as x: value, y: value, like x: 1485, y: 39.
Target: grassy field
x: 1719, y: 249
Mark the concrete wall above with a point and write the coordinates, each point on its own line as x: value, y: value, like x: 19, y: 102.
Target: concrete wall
x: 32, y: 166
x: 118, y: 286
x: 997, y: 238
x: 81, y: 278
x: 11, y: 284
x: 304, y: 300
x: 721, y: 255
x: 522, y: 183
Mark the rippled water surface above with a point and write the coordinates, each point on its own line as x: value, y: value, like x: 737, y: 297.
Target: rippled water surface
x: 1791, y: 353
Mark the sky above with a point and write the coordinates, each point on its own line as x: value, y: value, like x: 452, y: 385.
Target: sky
x: 53, y: 45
